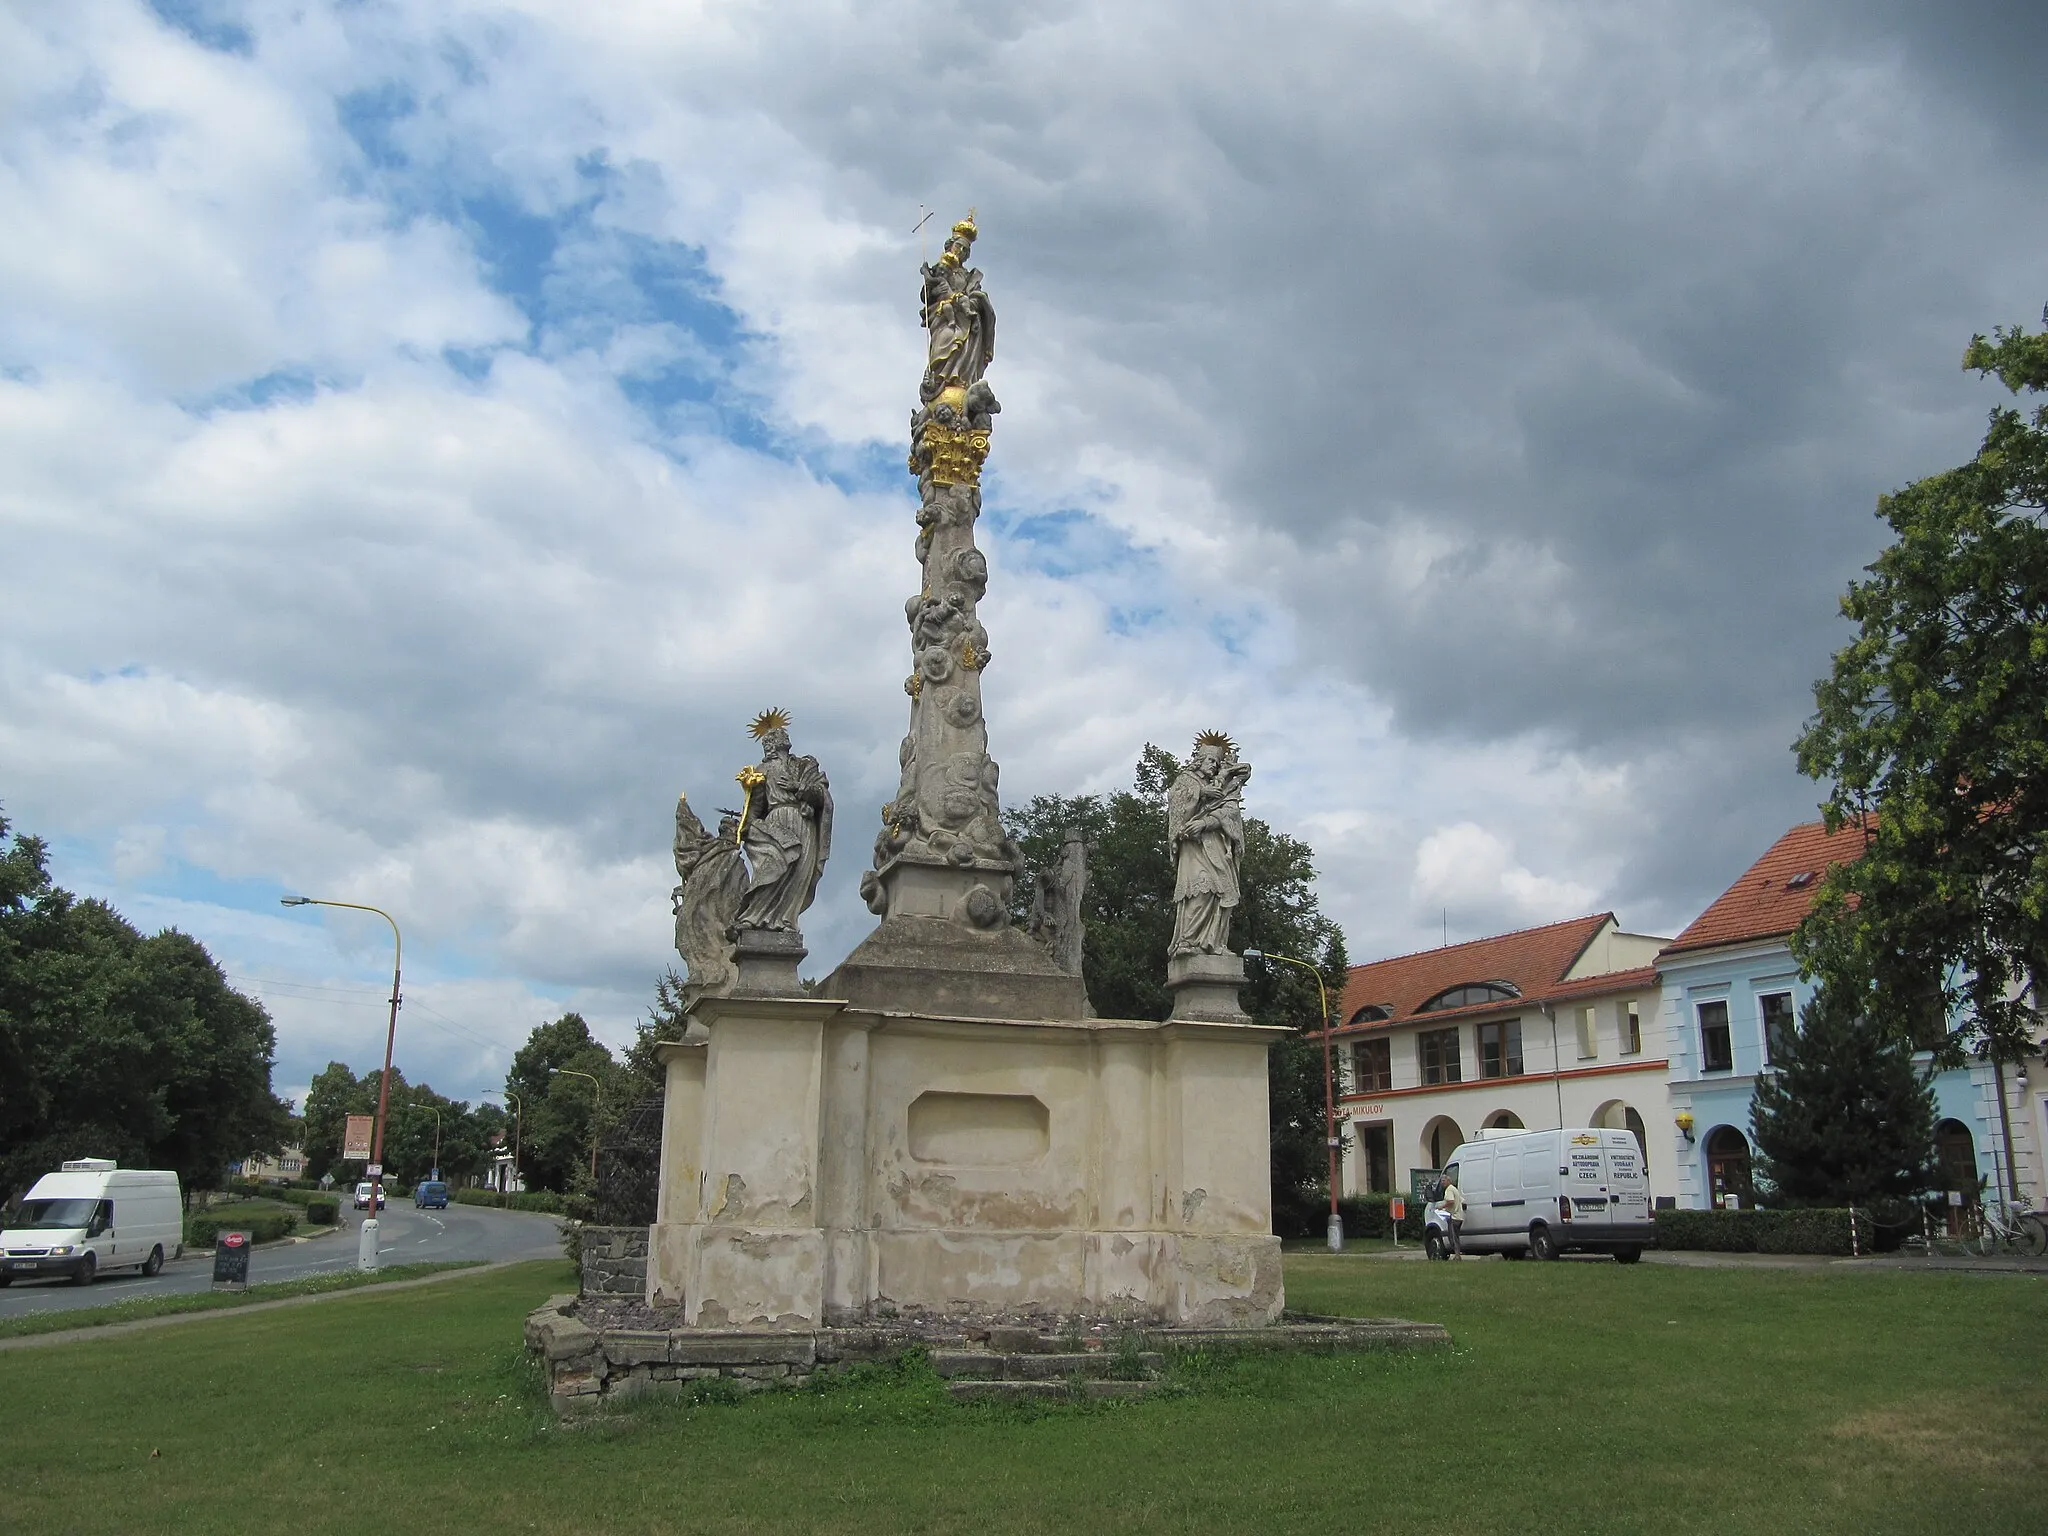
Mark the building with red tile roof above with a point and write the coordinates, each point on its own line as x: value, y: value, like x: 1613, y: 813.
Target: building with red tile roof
x: 1532, y: 1029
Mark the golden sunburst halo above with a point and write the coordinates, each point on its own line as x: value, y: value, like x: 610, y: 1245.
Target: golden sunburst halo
x: 1218, y: 739
x: 768, y: 720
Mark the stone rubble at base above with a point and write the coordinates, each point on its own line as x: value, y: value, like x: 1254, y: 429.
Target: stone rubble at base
x: 597, y: 1350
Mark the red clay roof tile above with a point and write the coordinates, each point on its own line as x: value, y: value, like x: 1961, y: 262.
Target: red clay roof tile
x: 1766, y: 903
x: 1534, y: 960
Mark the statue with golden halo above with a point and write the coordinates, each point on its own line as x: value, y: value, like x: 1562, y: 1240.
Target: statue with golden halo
x: 785, y: 826
x: 958, y: 316
x: 1205, y: 826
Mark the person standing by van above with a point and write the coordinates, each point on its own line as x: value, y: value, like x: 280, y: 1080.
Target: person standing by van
x: 1454, y: 1210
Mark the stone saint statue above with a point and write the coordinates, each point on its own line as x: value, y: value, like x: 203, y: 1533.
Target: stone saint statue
x: 785, y: 828
x: 1056, y: 903
x: 1205, y: 825
x: 714, y: 879
x: 958, y: 315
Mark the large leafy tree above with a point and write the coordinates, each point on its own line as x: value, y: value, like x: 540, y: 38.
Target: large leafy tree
x: 1127, y: 923
x: 1932, y: 731
x: 562, y: 1107
x: 1842, y: 1118
x: 113, y: 1044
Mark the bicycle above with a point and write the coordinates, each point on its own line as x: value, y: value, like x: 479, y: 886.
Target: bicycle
x: 2000, y: 1225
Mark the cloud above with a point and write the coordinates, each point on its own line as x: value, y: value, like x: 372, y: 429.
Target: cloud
x: 434, y: 432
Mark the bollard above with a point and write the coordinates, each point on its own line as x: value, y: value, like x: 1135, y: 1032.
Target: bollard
x: 366, y: 1244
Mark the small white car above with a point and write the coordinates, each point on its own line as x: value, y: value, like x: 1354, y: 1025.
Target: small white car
x: 365, y: 1193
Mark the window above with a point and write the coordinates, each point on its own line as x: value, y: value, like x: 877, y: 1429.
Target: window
x: 1500, y: 1049
x: 1631, y: 1030
x: 1470, y: 994
x: 1372, y: 1067
x: 1717, y: 1052
x: 1437, y: 1052
x: 1371, y: 1013
x: 1376, y: 1141
x: 1929, y: 1015
x: 1589, y: 1038
x: 1776, y: 1009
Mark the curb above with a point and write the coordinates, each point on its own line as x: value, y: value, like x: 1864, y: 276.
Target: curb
x: 112, y: 1330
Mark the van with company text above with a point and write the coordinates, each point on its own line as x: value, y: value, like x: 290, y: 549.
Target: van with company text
x: 92, y: 1216
x: 1584, y: 1189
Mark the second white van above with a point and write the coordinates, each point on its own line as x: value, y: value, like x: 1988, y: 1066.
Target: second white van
x: 1546, y: 1193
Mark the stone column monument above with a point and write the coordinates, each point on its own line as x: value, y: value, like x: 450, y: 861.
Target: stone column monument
x: 942, y: 1125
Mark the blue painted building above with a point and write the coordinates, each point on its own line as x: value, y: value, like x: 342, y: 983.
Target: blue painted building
x: 1730, y: 988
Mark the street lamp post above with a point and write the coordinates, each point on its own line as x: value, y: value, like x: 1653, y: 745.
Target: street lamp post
x: 366, y: 1245
x: 436, y: 1113
x: 518, y: 1120
x: 1330, y: 1138
x: 596, y: 1110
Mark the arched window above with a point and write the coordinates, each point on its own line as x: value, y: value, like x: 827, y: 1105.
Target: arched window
x: 1504, y: 1120
x: 1440, y: 1138
x: 1469, y: 994
x: 1371, y: 1013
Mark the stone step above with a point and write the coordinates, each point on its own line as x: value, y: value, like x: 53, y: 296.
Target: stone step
x: 1040, y: 1391
x: 983, y: 1365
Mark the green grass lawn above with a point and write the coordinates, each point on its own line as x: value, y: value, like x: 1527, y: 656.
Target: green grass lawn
x: 1580, y: 1396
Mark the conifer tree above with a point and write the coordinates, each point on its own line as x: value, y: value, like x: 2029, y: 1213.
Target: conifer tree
x: 1844, y: 1118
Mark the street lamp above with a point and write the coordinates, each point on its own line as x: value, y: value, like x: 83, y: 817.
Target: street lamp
x: 436, y: 1113
x: 366, y: 1245
x: 518, y: 1120
x: 595, y: 1110
x: 1330, y: 1137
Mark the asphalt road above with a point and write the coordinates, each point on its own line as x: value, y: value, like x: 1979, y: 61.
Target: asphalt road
x: 404, y: 1236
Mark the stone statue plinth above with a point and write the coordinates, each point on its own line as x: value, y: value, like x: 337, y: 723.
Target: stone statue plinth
x: 946, y: 945
x: 1205, y: 988
x: 825, y: 1164
x: 767, y: 960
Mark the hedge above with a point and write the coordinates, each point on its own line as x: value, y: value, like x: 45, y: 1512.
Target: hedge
x: 262, y: 1227
x: 1823, y: 1230
x: 533, y: 1200
x: 323, y: 1213
x: 1366, y: 1216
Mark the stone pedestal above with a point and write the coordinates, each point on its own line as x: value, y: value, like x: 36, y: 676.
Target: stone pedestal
x: 766, y: 962
x: 1205, y: 988
x: 945, y: 940
x: 830, y: 1164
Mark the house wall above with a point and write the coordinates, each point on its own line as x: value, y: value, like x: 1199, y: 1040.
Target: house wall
x: 1593, y: 1090
x: 1741, y: 975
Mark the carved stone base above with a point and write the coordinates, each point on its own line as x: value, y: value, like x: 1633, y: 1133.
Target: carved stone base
x: 946, y: 946
x: 1205, y: 987
x: 766, y: 960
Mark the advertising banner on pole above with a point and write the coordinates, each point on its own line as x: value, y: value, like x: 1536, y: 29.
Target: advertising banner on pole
x: 355, y: 1141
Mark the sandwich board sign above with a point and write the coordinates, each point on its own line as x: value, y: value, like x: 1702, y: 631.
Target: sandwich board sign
x: 355, y: 1141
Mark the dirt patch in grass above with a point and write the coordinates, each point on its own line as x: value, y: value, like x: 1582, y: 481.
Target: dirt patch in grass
x: 1943, y: 1431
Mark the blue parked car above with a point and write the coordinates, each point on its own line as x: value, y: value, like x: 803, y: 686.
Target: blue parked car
x: 430, y: 1194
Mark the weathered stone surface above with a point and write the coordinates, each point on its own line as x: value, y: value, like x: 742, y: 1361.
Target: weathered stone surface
x: 976, y: 1363
x: 563, y: 1338
x: 1020, y: 1341
x: 635, y: 1348
x: 1005, y: 1391
x: 614, y: 1261
x: 743, y: 1349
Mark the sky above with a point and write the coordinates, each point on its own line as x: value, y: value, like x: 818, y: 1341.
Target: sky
x: 432, y: 432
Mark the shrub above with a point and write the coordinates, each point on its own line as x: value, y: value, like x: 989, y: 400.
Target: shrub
x: 262, y: 1227
x: 1366, y: 1216
x: 323, y: 1213
x: 1820, y: 1229
x: 533, y: 1200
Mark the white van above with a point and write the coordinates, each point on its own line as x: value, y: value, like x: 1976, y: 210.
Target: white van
x: 93, y: 1216
x: 1546, y: 1193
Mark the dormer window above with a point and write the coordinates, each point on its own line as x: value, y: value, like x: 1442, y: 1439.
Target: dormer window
x: 1471, y: 994
x: 1800, y: 881
x: 1371, y: 1013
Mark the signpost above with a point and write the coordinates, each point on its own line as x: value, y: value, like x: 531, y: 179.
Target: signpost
x: 1397, y: 1212
x: 355, y: 1140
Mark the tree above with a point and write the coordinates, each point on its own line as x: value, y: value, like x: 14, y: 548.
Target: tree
x: 561, y: 1108
x: 1933, y: 732
x: 117, y: 1045
x: 1843, y: 1119
x: 1127, y: 922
